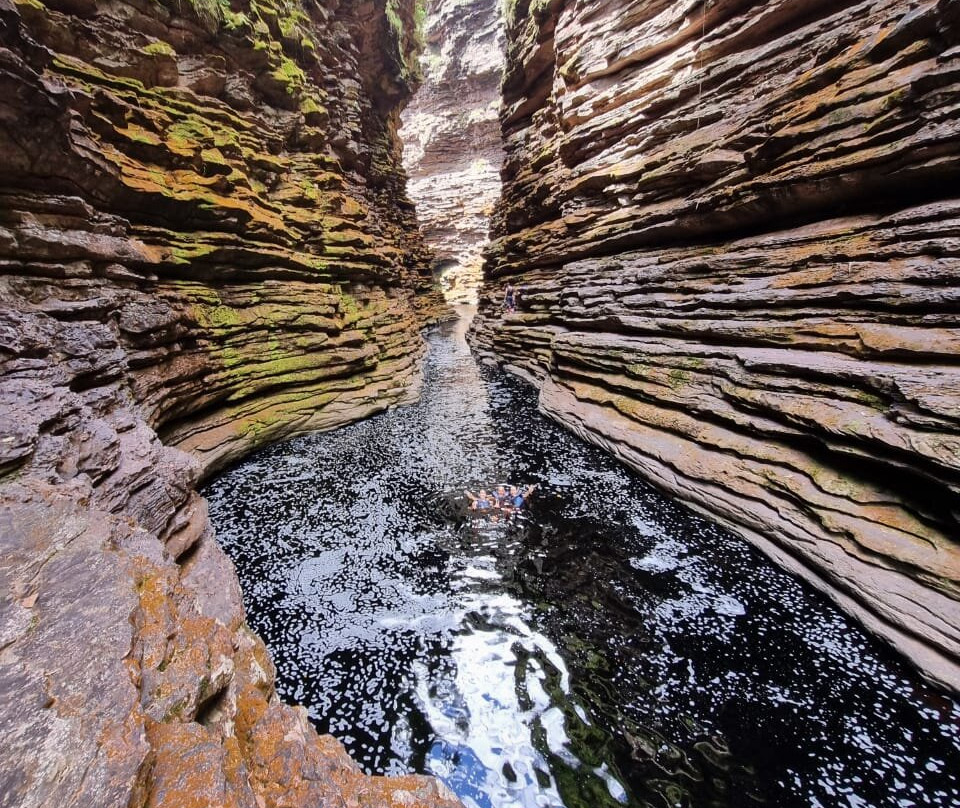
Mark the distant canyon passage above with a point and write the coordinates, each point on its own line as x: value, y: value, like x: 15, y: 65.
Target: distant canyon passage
x: 451, y: 138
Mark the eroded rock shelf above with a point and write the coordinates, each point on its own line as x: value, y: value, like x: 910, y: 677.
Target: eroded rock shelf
x: 735, y: 230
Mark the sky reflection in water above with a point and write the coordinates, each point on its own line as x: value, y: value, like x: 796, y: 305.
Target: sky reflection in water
x: 607, y: 648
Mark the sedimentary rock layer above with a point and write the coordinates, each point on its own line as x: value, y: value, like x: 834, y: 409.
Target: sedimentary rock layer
x: 205, y: 245
x: 451, y: 134
x: 736, y: 230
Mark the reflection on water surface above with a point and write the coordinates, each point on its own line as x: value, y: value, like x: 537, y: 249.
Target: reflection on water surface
x: 604, y: 648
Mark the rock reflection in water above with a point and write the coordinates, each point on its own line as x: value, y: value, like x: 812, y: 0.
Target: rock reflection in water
x: 604, y: 648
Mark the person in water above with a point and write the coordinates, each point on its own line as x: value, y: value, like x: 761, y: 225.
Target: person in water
x: 481, y: 501
x: 508, y: 499
x: 516, y: 499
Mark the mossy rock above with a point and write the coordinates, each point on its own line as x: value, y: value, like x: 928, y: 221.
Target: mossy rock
x: 160, y: 48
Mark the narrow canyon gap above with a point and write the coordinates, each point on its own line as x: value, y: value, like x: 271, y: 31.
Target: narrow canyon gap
x: 451, y: 138
x: 733, y: 226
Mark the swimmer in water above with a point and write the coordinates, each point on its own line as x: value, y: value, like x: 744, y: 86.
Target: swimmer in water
x: 481, y: 501
x: 516, y: 500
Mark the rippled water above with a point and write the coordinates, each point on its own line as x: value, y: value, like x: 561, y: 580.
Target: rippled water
x: 606, y: 648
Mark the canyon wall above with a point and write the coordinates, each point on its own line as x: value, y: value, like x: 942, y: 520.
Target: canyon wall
x: 736, y: 231
x: 451, y: 134
x: 205, y: 245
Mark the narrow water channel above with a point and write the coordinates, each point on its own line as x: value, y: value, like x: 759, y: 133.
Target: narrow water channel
x: 605, y: 648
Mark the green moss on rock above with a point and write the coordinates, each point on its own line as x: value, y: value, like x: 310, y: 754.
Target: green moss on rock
x: 159, y: 48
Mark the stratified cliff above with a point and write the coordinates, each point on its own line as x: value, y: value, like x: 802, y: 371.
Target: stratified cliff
x: 735, y: 226
x: 451, y: 133
x: 205, y: 245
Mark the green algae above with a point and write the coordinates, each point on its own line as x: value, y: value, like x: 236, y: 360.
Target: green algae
x: 223, y: 317
x: 349, y: 309
x: 229, y: 146
x: 290, y: 22
x: 193, y: 131
x: 290, y: 75
x: 187, y: 254
x: 309, y: 190
x: 408, y: 42
x: 236, y: 21
x: 313, y: 111
x: 393, y: 17
x: 678, y: 378
x: 262, y: 427
x: 159, y: 48
x: 137, y: 134
x: 209, y: 12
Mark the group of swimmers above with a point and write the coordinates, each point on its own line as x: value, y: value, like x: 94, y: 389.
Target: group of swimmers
x: 504, y: 499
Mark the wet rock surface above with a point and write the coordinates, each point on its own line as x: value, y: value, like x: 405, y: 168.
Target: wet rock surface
x: 204, y: 245
x: 451, y: 134
x: 734, y: 229
x: 607, y: 648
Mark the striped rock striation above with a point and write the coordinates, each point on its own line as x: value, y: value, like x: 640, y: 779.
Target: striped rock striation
x: 451, y: 134
x: 205, y: 245
x: 736, y: 229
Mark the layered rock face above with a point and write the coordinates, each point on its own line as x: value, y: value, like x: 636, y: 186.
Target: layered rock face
x: 451, y: 134
x: 735, y: 229
x: 204, y: 245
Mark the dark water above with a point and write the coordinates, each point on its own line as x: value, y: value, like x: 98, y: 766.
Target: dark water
x: 606, y: 648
